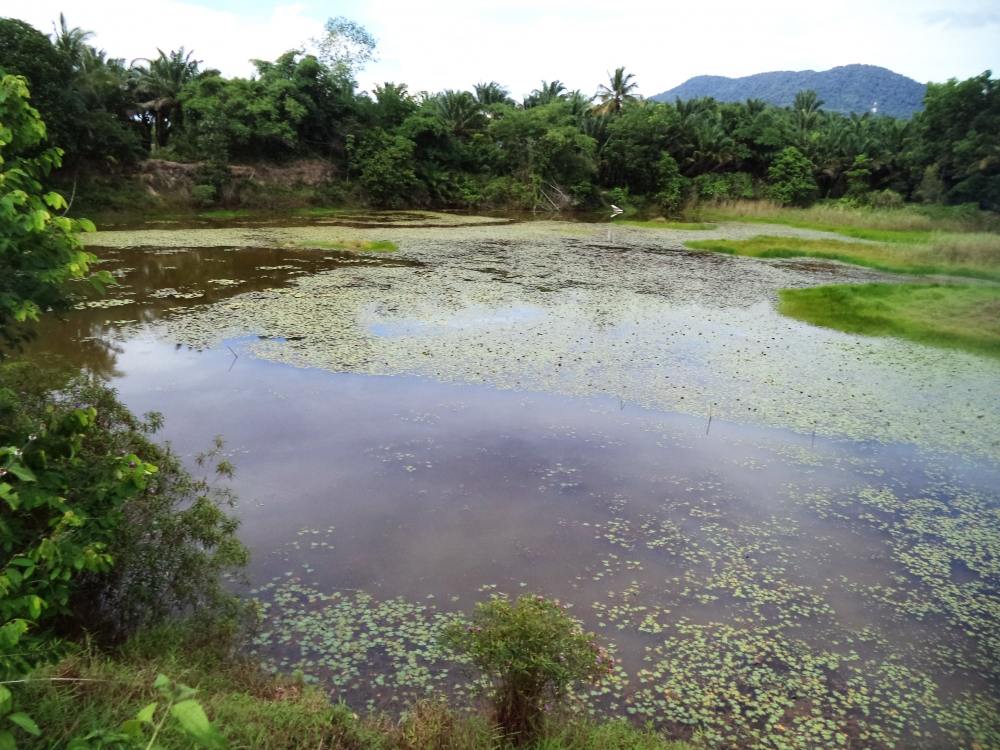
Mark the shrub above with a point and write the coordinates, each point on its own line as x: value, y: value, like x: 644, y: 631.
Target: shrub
x: 885, y: 199
x: 386, y: 167
x: 531, y: 653
x: 203, y: 195
x: 103, y: 528
x: 791, y: 179
x: 672, y: 186
x: 40, y: 250
x: 723, y: 186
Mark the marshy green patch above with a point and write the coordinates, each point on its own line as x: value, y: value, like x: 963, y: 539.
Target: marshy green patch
x: 357, y: 246
x: 226, y: 213
x: 973, y: 255
x: 961, y: 316
x: 667, y: 224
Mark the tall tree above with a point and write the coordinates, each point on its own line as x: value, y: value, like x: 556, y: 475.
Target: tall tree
x: 160, y: 81
x: 616, y: 92
x: 71, y: 43
x: 345, y: 47
x: 547, y: 92
x: 492, y: 93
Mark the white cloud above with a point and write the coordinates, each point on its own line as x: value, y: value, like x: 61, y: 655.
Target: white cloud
x: 455, y: 43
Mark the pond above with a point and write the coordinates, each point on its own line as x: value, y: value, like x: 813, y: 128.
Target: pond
x: 783, y: 531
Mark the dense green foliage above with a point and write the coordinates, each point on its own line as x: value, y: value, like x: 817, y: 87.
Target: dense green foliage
x: 39, y: 250
x: 531, y: 652
x: 846, y: 89
x: 554, y: 149
x: 102, y: 531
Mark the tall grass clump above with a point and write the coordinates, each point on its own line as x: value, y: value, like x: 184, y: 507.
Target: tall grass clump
x: 843, y: 217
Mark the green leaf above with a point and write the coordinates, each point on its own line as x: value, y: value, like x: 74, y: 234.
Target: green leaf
x: 26, y: 723
x: 6, y: 699
x: 7, y: 741
x: 54, y: 200
x: 21, y: 472
x: 193, y: 720
x: 35, y: 604
x: 146, y: 714
x: 132, y: 727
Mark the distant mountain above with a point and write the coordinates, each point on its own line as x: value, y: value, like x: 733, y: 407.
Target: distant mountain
x: 849, y: 88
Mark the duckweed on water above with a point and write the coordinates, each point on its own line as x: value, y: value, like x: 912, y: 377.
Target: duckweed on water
x: 532, y: 307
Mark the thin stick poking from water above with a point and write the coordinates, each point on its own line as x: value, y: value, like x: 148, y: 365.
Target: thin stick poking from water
x: 709, y: 427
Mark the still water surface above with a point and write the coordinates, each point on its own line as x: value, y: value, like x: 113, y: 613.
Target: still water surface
x: 850, y: 584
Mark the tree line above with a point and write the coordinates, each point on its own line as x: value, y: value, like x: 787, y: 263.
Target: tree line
x: 554, y: 148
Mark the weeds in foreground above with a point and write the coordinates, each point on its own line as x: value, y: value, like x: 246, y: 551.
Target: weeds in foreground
x: 96, y: 693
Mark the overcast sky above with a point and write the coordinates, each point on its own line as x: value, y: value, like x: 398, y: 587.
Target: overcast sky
x: 456, y: 43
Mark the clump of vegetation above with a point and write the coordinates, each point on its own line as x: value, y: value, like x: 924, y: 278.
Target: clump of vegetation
x: 531, y: 652
x: 791, y: 179
x: 357, y: 246
x: 96, y: 695
x: 970, y: 255
x: 964, y: 317
x: 662, y: 223
x: 148, y: 540
x: 906, y: 224
x: 40, y: 250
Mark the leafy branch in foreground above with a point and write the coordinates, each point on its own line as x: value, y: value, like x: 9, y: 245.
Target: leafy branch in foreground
x: 39, y: 250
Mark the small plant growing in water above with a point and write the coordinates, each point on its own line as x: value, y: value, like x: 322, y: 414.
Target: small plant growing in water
x: 531, y: 652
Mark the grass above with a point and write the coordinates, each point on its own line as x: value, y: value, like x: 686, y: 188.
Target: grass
x: 226, y: 213
x: 254, y: 709
x: 667, y: 224
x: 358, y: 246
x: 970, y: 255
x: 961, y: 316
x: 905, y: 224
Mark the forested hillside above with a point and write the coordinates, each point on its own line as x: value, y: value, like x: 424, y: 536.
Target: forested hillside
x: 555, y: 149
x: 846, y: 89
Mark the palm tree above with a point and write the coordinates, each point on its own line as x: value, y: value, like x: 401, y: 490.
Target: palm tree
x: 459, y: 111
x: 616, y: 92
x: 392, y: 91
x: 160, y: 82
x: 72, y: 43
x: 548, y: 92
x: 808, y: 108
x: 755, y: 107
x: 491, y: 93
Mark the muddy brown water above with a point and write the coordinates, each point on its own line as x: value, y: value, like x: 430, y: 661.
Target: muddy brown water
x: 850, y: 580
